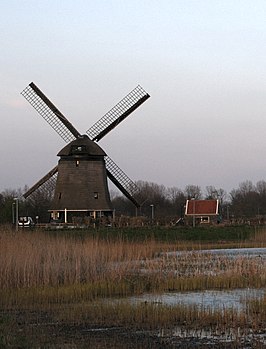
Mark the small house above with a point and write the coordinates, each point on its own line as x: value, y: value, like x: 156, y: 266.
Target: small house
x: 202, y: 211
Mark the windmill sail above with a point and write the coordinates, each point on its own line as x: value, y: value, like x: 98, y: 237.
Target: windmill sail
x: 50, y: 113
x: 118, y: 113
x: 121, y: 180
x: 47, y: 183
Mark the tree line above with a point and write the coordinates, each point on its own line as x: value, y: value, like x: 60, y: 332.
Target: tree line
x: 245, y: 202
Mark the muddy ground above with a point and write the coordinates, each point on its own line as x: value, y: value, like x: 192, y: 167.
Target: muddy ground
x: 39, y: 330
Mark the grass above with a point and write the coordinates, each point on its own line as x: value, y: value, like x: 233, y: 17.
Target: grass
x: 167, y: 234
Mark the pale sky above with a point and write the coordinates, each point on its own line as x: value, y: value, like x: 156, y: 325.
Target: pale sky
x: 203, y: 62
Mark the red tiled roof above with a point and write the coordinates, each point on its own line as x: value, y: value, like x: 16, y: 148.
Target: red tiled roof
x: 202, y: 207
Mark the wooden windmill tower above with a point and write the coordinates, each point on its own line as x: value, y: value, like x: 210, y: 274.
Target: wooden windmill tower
x: 80, y: 178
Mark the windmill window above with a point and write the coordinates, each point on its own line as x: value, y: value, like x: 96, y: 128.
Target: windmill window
x: 77, y: 163
x: 96, y: 195
x: 78, y: 149
x: 59, y: 196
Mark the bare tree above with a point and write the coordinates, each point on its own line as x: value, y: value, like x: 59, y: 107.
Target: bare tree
x: 193, y: 191
x: 245, y: 200
x: 217, y: 194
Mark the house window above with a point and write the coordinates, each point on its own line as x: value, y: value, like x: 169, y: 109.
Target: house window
x: 205, y: 219
x: 96, y: 195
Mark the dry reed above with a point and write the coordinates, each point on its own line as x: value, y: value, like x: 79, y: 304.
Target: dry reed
x: 44, y: 268
x: 69, y: 276
x: 152, y: 316
x: 36, y: 259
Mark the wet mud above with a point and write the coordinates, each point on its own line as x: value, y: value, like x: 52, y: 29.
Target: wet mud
x: 39, y: 330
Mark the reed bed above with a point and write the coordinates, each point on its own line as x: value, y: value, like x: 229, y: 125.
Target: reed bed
x: 36, y: 259
x: 209, y: 264
x: 75, y: 280
x: 44, y: 268
x: 152, y: 316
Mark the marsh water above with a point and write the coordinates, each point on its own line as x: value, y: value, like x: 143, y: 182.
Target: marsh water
x: 209, y: 299
x: 220, y: 300
x: 251, y: 251
x: 214, y: 299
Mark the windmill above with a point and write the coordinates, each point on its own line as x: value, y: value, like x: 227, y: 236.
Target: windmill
x: 79, y: 180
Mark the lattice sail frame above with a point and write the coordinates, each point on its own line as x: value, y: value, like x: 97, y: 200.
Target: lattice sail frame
x: 45, y: 184
x: 121, y: 177
x: 50, y: 113
x: 118, y: 113
x: 46, y: 188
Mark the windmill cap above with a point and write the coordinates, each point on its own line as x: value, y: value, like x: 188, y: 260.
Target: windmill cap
x: 82, y: 146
